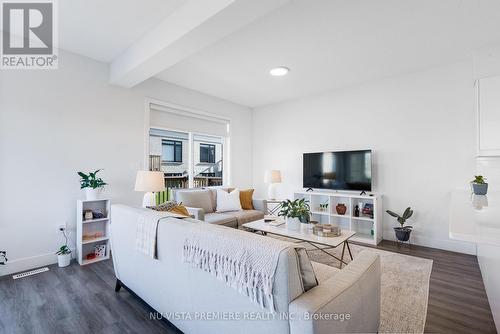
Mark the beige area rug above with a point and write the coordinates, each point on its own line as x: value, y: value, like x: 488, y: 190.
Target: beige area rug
x: 404, y: 291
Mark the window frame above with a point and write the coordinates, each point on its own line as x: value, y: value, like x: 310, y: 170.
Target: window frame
x: 211, y: 149
x: 174, y: 144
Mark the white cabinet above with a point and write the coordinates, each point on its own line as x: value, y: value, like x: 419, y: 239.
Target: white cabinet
x: 488, y: 116
x: 367, y: 227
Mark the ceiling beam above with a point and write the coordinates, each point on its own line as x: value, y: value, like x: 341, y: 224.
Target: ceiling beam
x: 192, y: 27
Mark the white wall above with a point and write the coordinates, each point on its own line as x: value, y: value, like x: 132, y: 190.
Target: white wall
x: 420, y: 127
x: 54, y: 123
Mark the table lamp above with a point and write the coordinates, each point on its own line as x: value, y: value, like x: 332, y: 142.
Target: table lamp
x: 149, y: 182
x: 273, y: 177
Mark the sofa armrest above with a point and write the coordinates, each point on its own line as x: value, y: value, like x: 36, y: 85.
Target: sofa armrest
x: 260, y: 204
x: 347, y: 302
x: 197, y: 213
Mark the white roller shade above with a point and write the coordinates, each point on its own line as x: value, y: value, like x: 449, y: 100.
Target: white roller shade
x: 171, y: 118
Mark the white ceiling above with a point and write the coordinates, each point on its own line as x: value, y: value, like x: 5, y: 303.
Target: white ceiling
x: 103, y: 29
x: 329, y: 44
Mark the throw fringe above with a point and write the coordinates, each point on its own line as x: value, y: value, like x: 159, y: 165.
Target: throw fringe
x: 236, y: 273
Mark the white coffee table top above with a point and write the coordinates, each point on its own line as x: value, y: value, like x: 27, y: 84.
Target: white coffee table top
x: 305, y: 233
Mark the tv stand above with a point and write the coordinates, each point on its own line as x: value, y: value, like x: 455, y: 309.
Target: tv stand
x: 368, y: 228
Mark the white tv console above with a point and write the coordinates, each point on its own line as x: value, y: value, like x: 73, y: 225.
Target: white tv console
x: 368, y: 230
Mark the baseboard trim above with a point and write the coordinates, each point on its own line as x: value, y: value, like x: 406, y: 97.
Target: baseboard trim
x: 448, y: 245
x: 28, y: 263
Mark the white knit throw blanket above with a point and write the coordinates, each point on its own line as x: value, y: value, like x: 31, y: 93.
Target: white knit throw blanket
x: 147, y: 231
x: 245, y: 261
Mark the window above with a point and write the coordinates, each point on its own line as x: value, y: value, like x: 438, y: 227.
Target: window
x: 207, y: 153
x: 171, y: 151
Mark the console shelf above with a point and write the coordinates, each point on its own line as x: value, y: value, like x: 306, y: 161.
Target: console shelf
x: 368, y: 230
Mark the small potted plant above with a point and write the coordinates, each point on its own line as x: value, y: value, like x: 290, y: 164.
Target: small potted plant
x: 402, y: 232
x: 92, y: 184
x: 479, y: 186
x: 295, y: 212
x: 63, y: 256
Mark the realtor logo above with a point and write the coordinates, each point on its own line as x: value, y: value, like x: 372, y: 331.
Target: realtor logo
x: 29, y: 36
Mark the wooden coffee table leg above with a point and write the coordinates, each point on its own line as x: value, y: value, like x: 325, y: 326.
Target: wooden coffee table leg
x: 342, y: 257
x: 349, y: 249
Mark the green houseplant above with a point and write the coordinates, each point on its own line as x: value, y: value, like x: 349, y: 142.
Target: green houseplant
x: 295, y: 212
x: 92, y: 184
x: 479, y: 185
x: 403, y: 231
x: 63, y: 256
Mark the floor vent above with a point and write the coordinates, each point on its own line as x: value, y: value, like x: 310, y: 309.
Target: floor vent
x: 30, y: 273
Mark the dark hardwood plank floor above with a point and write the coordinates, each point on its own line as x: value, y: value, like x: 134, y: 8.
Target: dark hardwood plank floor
x: 82, y: 299
x: 457, y: 298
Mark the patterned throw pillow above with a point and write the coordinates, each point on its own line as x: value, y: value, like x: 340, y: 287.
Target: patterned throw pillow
x: 171, y: 206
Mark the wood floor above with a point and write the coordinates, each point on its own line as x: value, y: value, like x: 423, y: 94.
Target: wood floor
x: 82, y: 299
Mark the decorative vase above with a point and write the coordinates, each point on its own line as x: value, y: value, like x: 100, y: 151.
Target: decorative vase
x: 293, y: 223
x: 480, y: 188
x: 92, y: 194
x: 341, y: 209
x: 64, y: 260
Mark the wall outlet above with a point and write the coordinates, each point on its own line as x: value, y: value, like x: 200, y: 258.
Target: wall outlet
x: 62, y: 227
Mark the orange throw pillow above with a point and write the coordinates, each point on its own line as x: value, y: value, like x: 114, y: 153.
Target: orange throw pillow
x: 246, y: 199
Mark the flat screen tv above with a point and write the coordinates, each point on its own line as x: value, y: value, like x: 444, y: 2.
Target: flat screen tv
x: 344, y: 170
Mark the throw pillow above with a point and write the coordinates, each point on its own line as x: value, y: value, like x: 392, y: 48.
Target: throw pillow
x: 228, y: 201
x: 246, y: 199
x: 171, y: 206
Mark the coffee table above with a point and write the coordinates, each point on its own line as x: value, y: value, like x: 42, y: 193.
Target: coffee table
x: 306, y: 235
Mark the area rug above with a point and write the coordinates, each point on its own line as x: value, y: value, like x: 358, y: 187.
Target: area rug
x: 404, y: 290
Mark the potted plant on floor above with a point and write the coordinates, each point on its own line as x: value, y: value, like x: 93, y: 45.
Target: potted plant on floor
x: 479, y: 186
x: 63, y: 256
x: 295, y: 212
x: 402, y: 232
x: 92, y: 184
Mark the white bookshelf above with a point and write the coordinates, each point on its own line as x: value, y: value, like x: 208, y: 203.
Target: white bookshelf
x: 90, y: 227
x: 368, y: 230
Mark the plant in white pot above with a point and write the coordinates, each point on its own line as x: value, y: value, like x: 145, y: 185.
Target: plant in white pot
x: 92, y: 184
x: 295, y: 212
x: 64, y: 256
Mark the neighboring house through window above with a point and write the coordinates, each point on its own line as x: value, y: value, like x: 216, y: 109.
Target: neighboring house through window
x: 171, y: 151
x: 207, y: 153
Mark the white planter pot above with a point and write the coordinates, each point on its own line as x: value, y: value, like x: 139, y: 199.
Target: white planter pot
x: 293, y: 223
x: 93, y: 194
x: 63, y: 260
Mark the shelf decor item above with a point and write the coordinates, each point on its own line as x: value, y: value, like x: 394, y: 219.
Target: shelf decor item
x: 479, y: 186
x: 88, y: 215
x: 402, y: 232
x: 341, y: 209
x: 356, y: 211
x: 149, y: 182
x: 295, y: 212
x: 92, y: 184
x: 100, y: 250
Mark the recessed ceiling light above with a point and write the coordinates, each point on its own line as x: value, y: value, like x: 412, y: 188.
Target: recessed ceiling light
x: 279, y: 71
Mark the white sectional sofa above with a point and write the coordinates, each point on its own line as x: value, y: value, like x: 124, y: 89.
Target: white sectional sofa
x: 185, y: 295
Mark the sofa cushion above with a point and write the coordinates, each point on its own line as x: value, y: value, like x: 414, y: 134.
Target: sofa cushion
x: 323, y: 271
x: 228, y: 201
x: 246, y: 199
x: 213, y: 194
x: 221, y: 219
x: 196, y: 199
x: 246, y: 216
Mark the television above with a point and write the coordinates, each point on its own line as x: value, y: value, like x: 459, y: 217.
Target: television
x: 342, y: 170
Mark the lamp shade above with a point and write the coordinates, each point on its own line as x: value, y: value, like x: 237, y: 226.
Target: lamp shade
x: 273, y: 176
x: 149, y: 181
